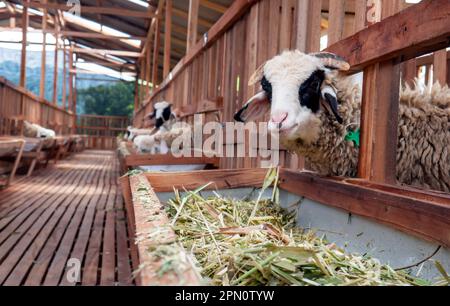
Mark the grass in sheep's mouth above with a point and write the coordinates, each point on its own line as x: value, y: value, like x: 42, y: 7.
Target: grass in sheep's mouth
x: 242, y: 242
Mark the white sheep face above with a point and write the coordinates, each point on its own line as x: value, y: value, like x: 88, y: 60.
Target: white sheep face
x: 293, y: 86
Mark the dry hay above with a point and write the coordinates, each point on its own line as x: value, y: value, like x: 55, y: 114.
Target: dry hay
x: 247, y: 243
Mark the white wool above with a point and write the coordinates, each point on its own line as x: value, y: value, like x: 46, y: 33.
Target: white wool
x: 45, y: 133
x: 145, y: 144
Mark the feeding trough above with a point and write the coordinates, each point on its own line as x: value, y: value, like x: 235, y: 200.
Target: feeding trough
x: 378, y: 225
x: 130, y: 159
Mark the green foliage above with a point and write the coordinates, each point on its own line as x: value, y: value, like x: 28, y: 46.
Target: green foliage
x: 114, y: 100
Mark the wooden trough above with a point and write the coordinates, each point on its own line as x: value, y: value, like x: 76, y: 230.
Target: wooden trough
x: 396, y: 225
x: 130, y: 159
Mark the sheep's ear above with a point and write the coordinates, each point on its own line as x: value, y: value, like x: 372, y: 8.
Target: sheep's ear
x: 257, y: 75
x: 254, y: 109
x: 332, y: 61
x: 331, y: 102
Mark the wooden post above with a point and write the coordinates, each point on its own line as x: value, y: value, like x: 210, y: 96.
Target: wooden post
x: 379, y: 114
x: 192, y: 24
x: 314, y: 20
x: 336, y: 21
x: 44, y: 53
x: 23, y: 59
x: 55, y: 72
x: 136, y: 91
x: 64, y: 77
x: 409, y: 71
x: 71, y: 78
x: 167, y: 38
x: 147, y: 71
x: 156, y: 53
x: 440, y: 67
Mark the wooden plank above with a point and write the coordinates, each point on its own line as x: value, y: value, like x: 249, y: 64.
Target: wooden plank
x: 108, y: 264
x: 165, y: 182
x: 336, y: 21
x: 37, y: 272
x: 164, y: 159
x: 14, y: 247
x: 85, y: 9
x: 192, y: 24
x: 379, y: 117
x: 145, y: 226
x: 409, y: 71
x: 157, y: 43
x: 417, y: 30
x: 440, y: 66
x: 55, y: 225
x: 167, y: 38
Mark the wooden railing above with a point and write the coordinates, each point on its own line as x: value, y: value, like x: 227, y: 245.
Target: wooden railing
x: 102, y: 131
x: 16, y: 103
x: 384, y: 47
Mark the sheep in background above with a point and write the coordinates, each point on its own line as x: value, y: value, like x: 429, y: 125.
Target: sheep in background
x: 164, y: 116
x: 314, y: 109
x: 36, y: 131
x: 133, y: 133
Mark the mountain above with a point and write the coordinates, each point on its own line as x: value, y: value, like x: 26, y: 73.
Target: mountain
x: 10, y: 69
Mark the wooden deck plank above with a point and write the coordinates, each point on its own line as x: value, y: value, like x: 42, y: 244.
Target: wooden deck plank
x: 53, y: 230
x: 71, y: 210
x: 78, y: 227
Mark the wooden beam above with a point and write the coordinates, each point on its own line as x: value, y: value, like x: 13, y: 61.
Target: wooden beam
x: 23, y: 58
x: 213, y: 6
x: 105, y: 52
x: 185, y: 15
x: 44, y: 53
x: 419, y: 29
x: 236, y: 11
x: 167, y: 38
x: 192, y: 24
x: 95, y: 35
x: 148, y: 73
x: 93, y: 10
x: 158, y: 14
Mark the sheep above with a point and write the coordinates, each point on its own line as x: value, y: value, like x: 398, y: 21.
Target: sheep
x: 314, y: 108
x: 133, y: 133
x: 37, y: 131
x: 164, y: 116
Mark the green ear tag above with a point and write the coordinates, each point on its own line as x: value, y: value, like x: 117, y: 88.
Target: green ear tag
x: 353, y: 136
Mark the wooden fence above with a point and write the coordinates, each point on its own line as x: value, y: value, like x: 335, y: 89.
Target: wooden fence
x: 17, y: 103
x: 212, y: 80
x: 102, y: 130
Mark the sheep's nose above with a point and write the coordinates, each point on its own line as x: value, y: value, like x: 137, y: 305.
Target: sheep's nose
x: 278, y: 119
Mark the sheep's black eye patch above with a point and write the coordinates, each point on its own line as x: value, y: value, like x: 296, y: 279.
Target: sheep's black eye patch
x: 267, y: 87
x: 309, y: 92
x: 166, y: 113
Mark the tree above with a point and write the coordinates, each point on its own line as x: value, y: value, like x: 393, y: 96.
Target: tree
x: 114, y: 100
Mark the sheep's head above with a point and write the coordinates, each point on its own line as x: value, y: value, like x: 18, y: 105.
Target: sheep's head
x: 162, y: 113
x: 295, y: 88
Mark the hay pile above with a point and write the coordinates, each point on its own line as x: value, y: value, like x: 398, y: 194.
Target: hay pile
x: 247, y: 243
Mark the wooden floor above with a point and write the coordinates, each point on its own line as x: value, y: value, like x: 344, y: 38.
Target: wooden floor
x: 64, y: 217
